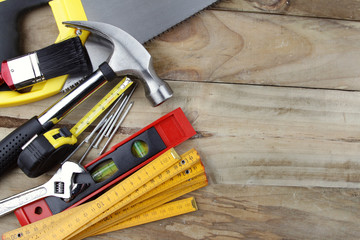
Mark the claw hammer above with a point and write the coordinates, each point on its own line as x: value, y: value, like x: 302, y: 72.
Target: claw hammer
x: 128, y: 57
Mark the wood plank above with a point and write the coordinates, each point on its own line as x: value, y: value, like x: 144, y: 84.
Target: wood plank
x: 256, y: 137
x: 256, y: 134
x: 335, y: 9
x: 262, y: 49
x: 228, y: 212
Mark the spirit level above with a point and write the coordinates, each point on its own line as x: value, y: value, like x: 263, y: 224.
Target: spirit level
x: 69, y: 223
x: 161, y: 135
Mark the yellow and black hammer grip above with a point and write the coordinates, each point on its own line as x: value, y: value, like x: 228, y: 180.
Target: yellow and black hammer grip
x: 10, y: 146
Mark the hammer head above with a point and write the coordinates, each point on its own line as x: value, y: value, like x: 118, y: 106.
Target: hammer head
x: 129, y: 57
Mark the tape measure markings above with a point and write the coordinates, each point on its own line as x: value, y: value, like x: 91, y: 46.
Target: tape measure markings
x: 101, y: 106
x: 136, y: 187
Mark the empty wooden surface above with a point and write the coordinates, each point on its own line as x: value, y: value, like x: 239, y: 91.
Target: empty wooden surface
x: 272, y: 89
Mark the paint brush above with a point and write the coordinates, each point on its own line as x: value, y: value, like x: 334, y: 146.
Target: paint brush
x: 66, y: 57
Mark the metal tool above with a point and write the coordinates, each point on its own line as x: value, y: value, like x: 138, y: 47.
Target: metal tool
x: 110, y: 126
x: 142, y: 18
x: 156, y: 183
x: 116, y: 128
x: 47, y: 150
x: 128, y: 57
x: 60, y: 185
x: 122, y: 160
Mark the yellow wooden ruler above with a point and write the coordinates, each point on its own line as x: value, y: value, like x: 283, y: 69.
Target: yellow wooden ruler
x: 143, y: 182
x: 71, y: 222
x: 166, y: 198
x: 166, y: 192
x: 164, y: 211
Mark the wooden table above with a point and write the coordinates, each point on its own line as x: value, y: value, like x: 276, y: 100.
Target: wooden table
x: 272, y: 89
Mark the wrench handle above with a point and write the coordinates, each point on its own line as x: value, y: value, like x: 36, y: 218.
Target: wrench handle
x: 10, y: 204
x: 10, y: 146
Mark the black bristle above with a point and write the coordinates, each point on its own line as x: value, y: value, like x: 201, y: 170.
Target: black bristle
x: 67, y: 57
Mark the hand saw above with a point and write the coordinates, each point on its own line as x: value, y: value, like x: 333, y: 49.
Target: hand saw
x: 140, y: 18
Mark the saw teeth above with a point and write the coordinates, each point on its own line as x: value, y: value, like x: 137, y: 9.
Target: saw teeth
x: 185, y: 20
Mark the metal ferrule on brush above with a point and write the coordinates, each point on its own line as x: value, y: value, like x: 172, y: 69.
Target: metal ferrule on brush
x: 24, y: 71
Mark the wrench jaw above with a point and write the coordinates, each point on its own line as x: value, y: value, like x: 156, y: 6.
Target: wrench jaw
x: 60, y: 185
x: 63, y: 180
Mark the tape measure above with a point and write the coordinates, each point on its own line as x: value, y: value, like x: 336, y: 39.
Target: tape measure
x: 101, y: 106
x: 162, y: 173
x: 46, y: 150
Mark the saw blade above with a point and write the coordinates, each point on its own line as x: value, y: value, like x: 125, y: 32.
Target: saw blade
x: 143, y: 19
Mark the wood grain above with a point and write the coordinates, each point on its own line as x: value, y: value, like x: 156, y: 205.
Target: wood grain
x: 260, y: 49
x: 259, y: 135
x: 253, y: 212
x: 248, y: 48
x: 333, y: 9
x: 271, y: 87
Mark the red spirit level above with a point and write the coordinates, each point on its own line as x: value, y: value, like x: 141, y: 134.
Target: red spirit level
x: 119, y: 162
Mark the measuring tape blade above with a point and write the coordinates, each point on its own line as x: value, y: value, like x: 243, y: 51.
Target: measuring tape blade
x: 101, y: 106
x: 168, y: 210
x: 177, y: 183
x: 139, y: 184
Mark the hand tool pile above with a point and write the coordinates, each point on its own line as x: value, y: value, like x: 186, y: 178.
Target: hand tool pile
x: 134, y: 181
x: 141, y: 196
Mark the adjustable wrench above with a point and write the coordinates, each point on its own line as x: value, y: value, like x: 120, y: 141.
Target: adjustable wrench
x: 60, y: 185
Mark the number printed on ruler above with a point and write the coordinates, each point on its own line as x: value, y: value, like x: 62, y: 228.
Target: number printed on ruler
x: 66, y: 223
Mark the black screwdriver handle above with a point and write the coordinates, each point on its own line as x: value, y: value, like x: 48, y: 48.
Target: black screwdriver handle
x: 10, y: 146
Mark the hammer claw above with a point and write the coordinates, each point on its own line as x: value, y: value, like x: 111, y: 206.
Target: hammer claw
x: 129, y: 57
